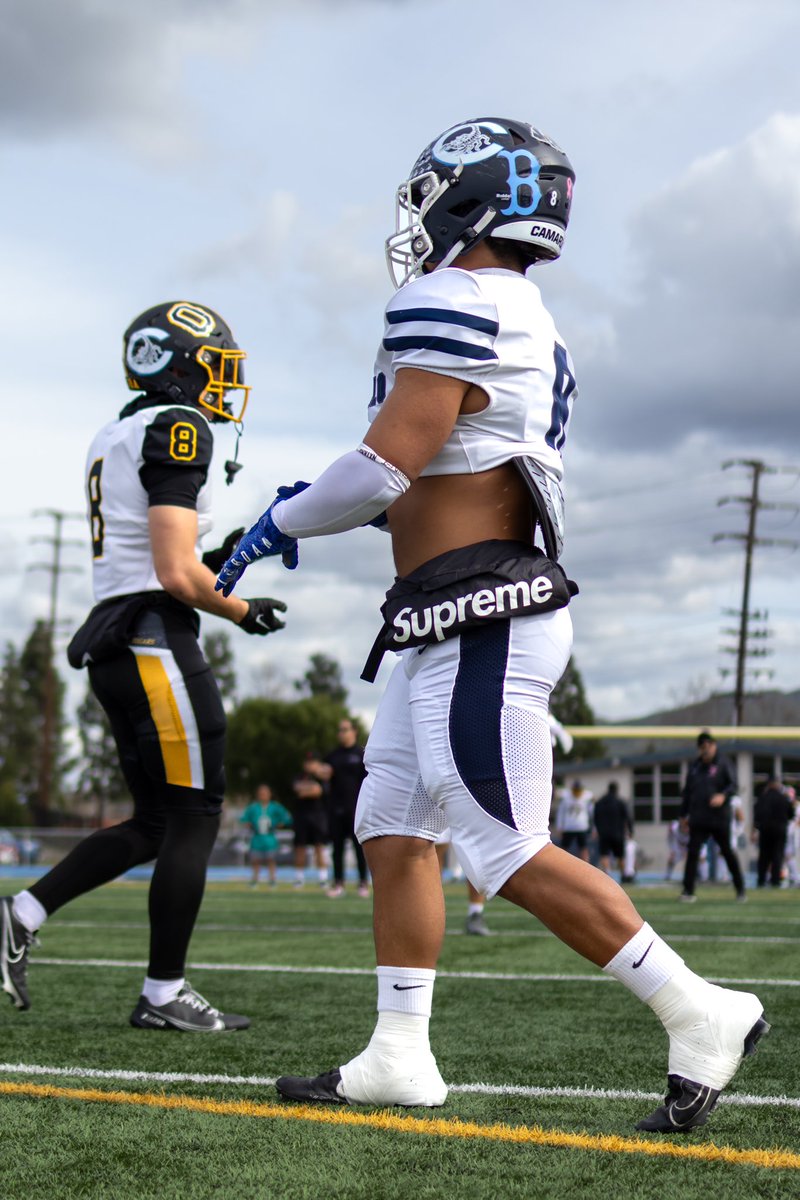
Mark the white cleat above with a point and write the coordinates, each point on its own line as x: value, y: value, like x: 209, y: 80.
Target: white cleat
x: 709, y: 1035
x: 383, y: 1077
x: 707, y: 1038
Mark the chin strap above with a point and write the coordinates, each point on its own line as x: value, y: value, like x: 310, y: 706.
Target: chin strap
x: 468, y: 238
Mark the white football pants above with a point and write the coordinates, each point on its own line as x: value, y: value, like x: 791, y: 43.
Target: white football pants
x: 461, y: 738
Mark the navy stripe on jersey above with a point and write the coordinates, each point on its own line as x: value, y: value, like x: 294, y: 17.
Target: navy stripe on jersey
x: 446, y: 345
x: 446, y: 316
x: 475, y: 715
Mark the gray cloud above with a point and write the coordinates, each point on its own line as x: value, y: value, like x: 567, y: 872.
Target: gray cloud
x: 705, y: 339
x: 120, y: 68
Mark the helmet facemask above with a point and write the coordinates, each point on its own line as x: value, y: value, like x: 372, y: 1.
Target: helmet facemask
x: 409, y: 247
x: 225, y: 369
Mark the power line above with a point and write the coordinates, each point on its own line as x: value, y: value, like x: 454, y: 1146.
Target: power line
x: 744, y: 635
x: 55, y: 569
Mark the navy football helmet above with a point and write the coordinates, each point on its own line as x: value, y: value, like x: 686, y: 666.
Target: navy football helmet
x: 186, y: 353
x: 490, y: 177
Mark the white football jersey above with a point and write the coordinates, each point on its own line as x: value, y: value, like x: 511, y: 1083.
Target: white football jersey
x: 490, y: 328
x: 164, y: 435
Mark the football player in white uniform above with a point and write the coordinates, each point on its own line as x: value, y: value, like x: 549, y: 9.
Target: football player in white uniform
x: 149, y: 505
x: 470, y: 409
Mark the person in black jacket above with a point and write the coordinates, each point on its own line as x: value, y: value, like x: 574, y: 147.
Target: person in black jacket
x: 771, y: 816
x: 705, y: 812
x: 344, y: 771
x: 612, y: 820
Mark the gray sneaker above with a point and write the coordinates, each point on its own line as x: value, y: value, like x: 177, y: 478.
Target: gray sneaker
x: 188, y: 1012
x: 477, y: 926
x: 15, y: 944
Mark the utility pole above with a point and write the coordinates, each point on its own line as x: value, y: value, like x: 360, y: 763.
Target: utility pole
x: 754, y: 505
x: 56, y: 569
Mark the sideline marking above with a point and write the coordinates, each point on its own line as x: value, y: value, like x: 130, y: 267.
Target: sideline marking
x: 357, y: 930
x: 432, y: 1127
x: 481, y: 1089
x: 276, y: 969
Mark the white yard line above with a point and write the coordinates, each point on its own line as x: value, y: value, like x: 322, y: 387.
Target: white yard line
x: 275, y: 969
x: 316, y: 930
x: 479, y: 1089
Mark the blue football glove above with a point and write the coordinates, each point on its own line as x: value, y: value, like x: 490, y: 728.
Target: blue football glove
x: 263, y: 540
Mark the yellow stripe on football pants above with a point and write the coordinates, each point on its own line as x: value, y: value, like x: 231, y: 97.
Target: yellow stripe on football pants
x: 167, y: 719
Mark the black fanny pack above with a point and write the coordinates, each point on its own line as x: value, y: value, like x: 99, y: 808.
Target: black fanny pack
x: 109, y: 627
x: 488, y: 581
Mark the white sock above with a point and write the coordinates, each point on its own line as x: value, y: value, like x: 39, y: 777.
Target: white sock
x: 405, y: 990
x: 161, y: 991
x: 28, y: 911
x: 473, y: 909
x: 323, y: 874
x: 645, y: 963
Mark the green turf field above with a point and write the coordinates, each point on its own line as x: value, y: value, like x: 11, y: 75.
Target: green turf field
x: 527, y: 1034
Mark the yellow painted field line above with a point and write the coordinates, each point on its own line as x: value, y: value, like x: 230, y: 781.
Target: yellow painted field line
x: 431, y: 1127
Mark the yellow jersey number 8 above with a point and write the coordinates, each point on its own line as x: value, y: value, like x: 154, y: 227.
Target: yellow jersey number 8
x: 183, y: 442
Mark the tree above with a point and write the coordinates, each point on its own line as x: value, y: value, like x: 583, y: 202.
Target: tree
x: 100, y: 777
x: 268, y: 740
x: 323, y: 678
x: 219, y: 655
x: 570, y: 706
x: 31, y: 707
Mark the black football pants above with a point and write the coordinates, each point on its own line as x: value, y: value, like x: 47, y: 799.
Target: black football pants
x: 166, y: 714
x: 698, y: 834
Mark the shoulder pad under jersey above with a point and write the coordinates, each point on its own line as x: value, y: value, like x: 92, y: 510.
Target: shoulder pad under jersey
x: 178, y: 437
x: 442, y: 322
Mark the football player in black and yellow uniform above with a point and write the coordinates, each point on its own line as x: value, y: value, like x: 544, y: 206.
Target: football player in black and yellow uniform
x: 149, y: 505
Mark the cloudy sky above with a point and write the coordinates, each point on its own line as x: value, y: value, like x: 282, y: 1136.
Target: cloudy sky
x: 245, y: 153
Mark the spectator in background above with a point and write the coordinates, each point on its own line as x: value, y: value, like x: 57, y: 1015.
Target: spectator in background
x: 738, y: 828
x: 343, y: 770
x: 793, y: 842
x: 612, y: 820
x: 771, y: 817
x: 574, y: 819
x: 677, y: 845
x: 262, y: 818
x: 705, y: 811
x: 310, y: 820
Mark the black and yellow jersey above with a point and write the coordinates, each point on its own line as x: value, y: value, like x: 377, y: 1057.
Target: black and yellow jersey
x: 153, y: 453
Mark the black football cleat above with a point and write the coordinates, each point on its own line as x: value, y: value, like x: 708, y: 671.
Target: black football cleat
x: 15, y: 944
x: 686, y: 1106
x: 189, y: 1012
x: 322, y: 1088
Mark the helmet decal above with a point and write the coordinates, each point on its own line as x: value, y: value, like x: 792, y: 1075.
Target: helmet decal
x: 187, y: 354
x: 194, y: 319
x: 144, y: 354
x: 467, y: 143
x: 525, y: 191
x: 489, y: 177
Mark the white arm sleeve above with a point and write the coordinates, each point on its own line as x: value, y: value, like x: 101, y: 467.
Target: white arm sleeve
x: 354, y: 489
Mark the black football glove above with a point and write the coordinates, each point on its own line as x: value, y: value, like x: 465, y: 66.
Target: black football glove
x: 260, y: 616
x: 213, y: 559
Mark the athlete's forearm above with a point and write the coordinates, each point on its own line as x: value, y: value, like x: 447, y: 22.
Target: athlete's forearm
x: 193, y: 584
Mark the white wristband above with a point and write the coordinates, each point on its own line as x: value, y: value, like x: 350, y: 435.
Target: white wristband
x: 350, y: 492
